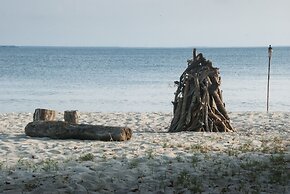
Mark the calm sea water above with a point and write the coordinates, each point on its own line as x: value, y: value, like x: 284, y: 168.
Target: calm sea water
x: 134, y: 79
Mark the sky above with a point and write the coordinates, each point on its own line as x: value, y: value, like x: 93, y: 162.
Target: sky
x: 145, y: 23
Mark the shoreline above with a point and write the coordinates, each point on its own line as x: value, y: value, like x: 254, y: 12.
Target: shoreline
x: 256, y: 158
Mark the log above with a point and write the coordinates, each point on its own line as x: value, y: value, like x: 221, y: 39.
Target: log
x: 65, y: 130
x: 177, y: 114
x: 43, y: 115
x: 180, y: 125
x: 71, y: 116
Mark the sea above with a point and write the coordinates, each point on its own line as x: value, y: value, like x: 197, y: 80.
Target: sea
x: 113, y: 79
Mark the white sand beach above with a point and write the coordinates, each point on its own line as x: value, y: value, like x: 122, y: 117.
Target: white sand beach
x: 255, y: 159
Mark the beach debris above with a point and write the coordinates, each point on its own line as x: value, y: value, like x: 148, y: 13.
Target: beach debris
x: 65, y: 130
x: 44, y: 125
x: 198, y: 104
x: 43, y: 115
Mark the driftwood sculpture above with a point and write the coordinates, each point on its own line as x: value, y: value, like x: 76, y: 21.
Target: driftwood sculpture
x: 198, y: 103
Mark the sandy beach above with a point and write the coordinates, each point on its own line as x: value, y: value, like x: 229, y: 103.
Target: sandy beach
x: 255, y: 159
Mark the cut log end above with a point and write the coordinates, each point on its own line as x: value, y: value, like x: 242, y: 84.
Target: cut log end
x: 43, y: 115
x: 71, y: 116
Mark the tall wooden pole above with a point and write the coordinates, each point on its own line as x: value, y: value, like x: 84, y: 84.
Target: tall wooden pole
x: 269, y: 65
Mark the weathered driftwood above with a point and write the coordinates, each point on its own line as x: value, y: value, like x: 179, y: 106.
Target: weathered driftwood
x: 198, y: 103
x: 71, y: 116
x: 65, y: 130
x: 43, y: 115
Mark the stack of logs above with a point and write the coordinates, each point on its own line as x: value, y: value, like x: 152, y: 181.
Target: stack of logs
x: 44, y: 125
x: 198, y: 103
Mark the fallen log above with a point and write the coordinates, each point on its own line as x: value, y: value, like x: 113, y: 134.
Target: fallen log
x: 65, y: 130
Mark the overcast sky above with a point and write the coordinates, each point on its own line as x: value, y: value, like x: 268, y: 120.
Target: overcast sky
x: 145, y: 23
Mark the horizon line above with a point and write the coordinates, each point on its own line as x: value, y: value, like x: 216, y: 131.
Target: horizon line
x: 142, y: 47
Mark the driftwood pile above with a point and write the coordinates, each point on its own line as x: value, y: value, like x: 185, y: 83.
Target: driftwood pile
x: 44, y: 125
x: 198, y: 104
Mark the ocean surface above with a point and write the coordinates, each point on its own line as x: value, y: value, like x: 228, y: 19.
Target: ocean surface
x: 134, y: 79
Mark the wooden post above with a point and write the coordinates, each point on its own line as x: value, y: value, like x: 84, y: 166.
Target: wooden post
x: 71, y: 116
x: 269, y: 65
x: 43, y: 115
